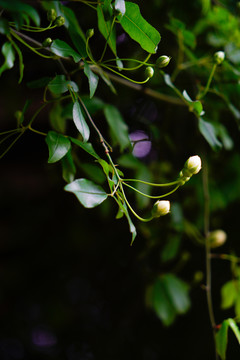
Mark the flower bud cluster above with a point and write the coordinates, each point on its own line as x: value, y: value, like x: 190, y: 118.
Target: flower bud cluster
x: 51, y: 15
x: 60, y: 20
x: 160, y: 208
x: 191, y: 167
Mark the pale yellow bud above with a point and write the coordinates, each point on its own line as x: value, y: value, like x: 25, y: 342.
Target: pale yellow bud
x: 192, y: 166
x: 217, y: 238
x: 161, y: 208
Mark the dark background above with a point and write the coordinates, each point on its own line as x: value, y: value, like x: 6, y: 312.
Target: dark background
x: 71, y: 287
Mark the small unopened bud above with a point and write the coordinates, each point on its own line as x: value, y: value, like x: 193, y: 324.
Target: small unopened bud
x: 163, y: 61
x: 192, y: 166
x: 47, y: 42
x: 160, y: 208
x: 60, y: 20
x: 51, y: 15
x: 149, y: 72
x: 89, y: 33
x: 217, y: 238
x: 219, y: 56
x: 18, y: 115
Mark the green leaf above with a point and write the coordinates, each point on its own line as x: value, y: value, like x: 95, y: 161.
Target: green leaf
x: 80, y: 122
x: 60, y: 85
x: 104, y: 26
x: 19, y: 6
x: 224, y: 136
x: 76, y: 34
x: 209, y: 133
x: 234, y: 328
x: 139, y: 29
x: 88, y: 193
x: 42, y: 82
x: 161, y: 304
x: 68, y: 167
x: 171, y: 248
x: 93, y: 172
x: 61, y: 48
x: 118, y: 127
x: 195, y: 106
x: 178, y: 293
x: 9, y: 54
x: 86, y: 147
x: 92, y: 79
x: 57, y: 120
x: 58, y: 146
x: 120, y: 6
x: 222, y: 340
x: 229, y: 294
x: 4, y: 27
x: 132, y: 227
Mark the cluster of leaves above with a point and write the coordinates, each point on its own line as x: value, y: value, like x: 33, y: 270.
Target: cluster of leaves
x: 213, y: 91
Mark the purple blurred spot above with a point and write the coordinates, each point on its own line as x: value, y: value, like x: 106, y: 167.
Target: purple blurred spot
x: 43, y: 338
x: 121, y: 38
x: 141, y: 143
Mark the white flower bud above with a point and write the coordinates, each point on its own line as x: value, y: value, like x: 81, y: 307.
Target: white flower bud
x: 219, y: 56
x: 163, y: 61
x: 192, y: 166
x: 217, y: 238
x: 161, y: 208
x: 149, y: 72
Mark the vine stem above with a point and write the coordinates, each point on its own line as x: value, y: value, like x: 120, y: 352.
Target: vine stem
x: 208, y: 253
x: 137, y: 87
x: 201, y: 95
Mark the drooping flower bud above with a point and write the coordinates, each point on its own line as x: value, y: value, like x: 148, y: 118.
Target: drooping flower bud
x: 51, y: 15
x: 160, y: 208
x: 149, y: 72
x: 47, y: 42
x: 217, y: 238
x: 163, y: 61
x: 192, y: 166
x: 219, y: 56
x: 60, y: 20
x: 89, y: 33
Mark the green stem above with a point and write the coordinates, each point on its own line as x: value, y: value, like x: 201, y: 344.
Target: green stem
x: 106, y: 43
x: 89, y: 52
x: 11, y: 145
x: 29, y: 46
x: 36, y: 29
x: 106, y: 146
x: 10, y: 131
x: 208, y: 253
x: 141, y: 63
x: 201, y: 95
x: 151, y: 196
x: 36, y: 131
x: 125, y: 77
x: 228, y: 257
x: 130, y: 207
x: 153, y: 184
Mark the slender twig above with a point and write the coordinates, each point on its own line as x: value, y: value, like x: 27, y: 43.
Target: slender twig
x: 208, y: 252
x: 147, y: 91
